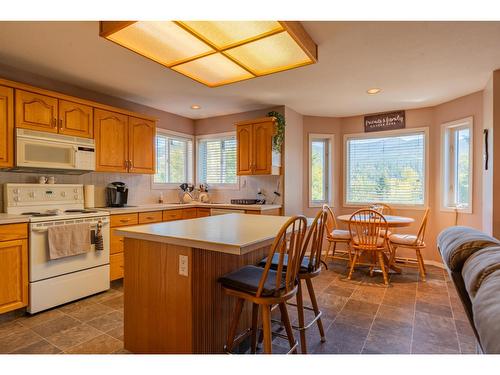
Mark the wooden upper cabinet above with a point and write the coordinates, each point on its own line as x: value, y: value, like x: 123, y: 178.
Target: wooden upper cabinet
x: 111, y: 141
x: 76, y: 119
x: 6, y: 127
x: 263, y: 147
x: 36, y: 111
x: 245, y: 149
x: 141, y: 145
x: 255, y: 147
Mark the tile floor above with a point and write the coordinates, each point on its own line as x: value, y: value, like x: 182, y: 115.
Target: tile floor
x: 360, y: 316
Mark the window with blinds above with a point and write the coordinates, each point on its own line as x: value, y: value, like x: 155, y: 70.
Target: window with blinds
x: 174, y: 159
x: 389, y: 169
x: 217, y: 160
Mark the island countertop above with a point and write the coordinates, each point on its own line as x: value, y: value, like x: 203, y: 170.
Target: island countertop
x: 231, y: 233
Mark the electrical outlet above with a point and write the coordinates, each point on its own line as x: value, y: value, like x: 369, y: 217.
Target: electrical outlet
x: 183, y: 265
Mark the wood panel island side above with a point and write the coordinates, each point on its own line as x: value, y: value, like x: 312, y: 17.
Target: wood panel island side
x: 173, y: 302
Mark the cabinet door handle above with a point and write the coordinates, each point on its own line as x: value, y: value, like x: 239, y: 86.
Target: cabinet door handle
x: 54, y: 122
x: 60, y: 124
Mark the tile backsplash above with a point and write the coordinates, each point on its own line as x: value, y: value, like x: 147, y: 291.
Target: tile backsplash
x: 140, y: 191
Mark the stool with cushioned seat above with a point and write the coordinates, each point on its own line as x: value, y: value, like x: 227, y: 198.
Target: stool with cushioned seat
x: 265, y: 287
x: 310, y: 267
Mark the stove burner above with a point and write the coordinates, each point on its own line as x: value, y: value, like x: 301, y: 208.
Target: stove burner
x: 81, y: 211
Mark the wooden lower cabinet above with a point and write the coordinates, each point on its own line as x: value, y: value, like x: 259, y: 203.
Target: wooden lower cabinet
x: 170, y: 215
x: 13, y: 267
x: 150, y: 217
x: 203, y: 212
x: 189, y: 213
x: 116, y: 266
x: 272, y: 212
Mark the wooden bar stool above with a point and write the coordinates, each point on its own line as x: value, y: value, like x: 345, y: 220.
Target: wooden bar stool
x: 335, y: 236
x: 265, y: 287
x: 310, y: 267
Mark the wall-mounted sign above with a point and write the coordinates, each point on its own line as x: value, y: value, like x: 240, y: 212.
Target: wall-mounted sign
x: 385, y: 121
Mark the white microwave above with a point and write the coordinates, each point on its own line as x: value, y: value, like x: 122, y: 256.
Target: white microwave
x: 37, y: 151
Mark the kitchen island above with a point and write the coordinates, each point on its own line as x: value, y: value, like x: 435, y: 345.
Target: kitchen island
x: 173, y: 303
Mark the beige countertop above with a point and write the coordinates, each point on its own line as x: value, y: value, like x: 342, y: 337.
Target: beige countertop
x: 173, y: 206
x: 232, y: 233
x: 12, y: 219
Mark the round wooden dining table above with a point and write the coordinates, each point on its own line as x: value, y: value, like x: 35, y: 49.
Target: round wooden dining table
x: 392, y: 222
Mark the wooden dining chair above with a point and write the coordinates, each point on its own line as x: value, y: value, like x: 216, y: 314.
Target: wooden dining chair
x: 411, y: 241
x: 365, y: 227
x: 384, y: 209
x: 264, y: 287
x: 335, y: 236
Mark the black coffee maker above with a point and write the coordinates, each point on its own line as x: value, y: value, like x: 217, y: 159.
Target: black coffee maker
x: 116, y: 194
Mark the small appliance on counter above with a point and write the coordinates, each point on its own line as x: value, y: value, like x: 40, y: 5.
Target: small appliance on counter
x: 116, y: 194
x: 203, y: 196
x: 185, y: 195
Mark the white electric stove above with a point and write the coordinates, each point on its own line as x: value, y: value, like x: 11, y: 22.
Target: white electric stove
x: 58, y: 281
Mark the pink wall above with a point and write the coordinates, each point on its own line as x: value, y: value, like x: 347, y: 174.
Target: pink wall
x: 166, y: 120
x: 431, y: 117
x: 222, y: 124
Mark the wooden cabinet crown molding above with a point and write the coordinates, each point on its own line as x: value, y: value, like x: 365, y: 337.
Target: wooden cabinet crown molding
x: 61, y: 96
x: 256, y: 121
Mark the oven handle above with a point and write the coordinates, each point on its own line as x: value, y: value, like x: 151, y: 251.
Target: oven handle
x: 43, y: 230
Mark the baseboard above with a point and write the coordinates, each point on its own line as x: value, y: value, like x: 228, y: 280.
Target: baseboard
x: 434, y: 263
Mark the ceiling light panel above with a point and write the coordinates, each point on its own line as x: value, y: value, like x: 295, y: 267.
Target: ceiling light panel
x: 225, y: 34
x: 216, y: 53
x: 162, y: 41
x: 271, y: 54
x: 213, y: 70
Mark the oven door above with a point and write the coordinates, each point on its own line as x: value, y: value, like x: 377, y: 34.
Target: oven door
x: 42, y: 267
x: 37, y: 153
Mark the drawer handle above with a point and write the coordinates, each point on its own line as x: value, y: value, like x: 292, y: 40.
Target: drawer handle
x: 124, y: 220
x: 150, y: 218
x: 121, y: 240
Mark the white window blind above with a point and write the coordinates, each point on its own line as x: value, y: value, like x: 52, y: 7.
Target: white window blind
x: 217, y: 160
x: 388, y: 169
x: 174, y: 157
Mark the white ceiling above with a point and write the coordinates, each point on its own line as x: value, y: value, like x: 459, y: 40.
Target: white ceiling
x: 416, y: 64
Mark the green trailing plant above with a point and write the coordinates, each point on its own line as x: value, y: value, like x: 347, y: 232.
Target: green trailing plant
x: 280, y: 130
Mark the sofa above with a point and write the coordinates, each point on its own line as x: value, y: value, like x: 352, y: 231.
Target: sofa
x: 472, y: 259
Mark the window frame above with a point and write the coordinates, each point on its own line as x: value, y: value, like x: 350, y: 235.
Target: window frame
x: 181, y: 136
x: 384, y: 134
x: 329, y: 160
x: 222, y: 186
x: 447, y: 158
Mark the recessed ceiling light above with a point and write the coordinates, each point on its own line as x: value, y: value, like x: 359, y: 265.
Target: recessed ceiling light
x: 373, y: 91
x: 195, y: 106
